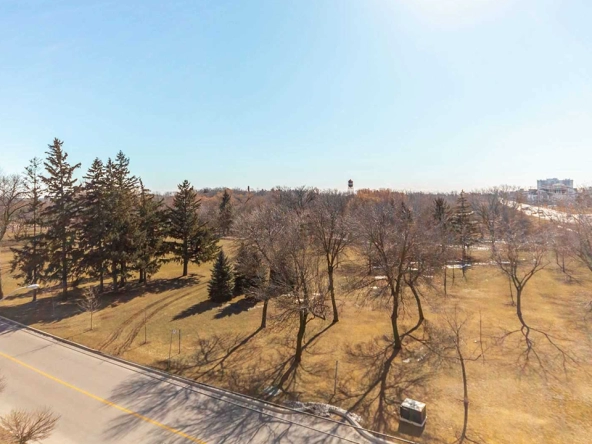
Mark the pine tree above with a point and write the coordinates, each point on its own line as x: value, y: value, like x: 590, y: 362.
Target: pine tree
x: 122, y: 222
x: 465, y: 226
x: 442, y: 217
x: 220, y: 287
x: 225, y: 215
x: 150, y: 234
x: 249, y: 272
x: 60, y: 214
x: 193, y: 241
x: 29, y: 258
x: 93, y: 221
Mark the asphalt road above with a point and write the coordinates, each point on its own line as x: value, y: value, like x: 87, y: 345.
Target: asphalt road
x: 103, y: 401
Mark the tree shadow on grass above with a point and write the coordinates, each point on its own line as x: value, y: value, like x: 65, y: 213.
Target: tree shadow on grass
x: 156, y: 286
x: 227, y: 360
x: 385, y: 382
x: 19, y: 295
x: 236, y: 307
x: 229, y: 351
x: 197, y: 309
x: 47, y: 310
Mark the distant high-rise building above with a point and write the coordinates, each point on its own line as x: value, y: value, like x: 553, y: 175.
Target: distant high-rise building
x: 548, y: 184
x: 553, y: 189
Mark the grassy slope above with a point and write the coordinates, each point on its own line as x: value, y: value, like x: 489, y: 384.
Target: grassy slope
x: 221, y: 345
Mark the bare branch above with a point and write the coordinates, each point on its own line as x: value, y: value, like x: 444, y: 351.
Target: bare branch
x: 27, y: 426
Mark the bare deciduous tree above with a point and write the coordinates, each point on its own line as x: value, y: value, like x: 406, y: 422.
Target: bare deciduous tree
x: 520, y: 255
x: 11, y: 202
x: 330, y: 226
x: 449, y: 343
x: 27, y: 426
x: 89, y: 303
x: 581, y: 245
x: 396, y: 238
x: 263, y: 230
x: 297, y: 279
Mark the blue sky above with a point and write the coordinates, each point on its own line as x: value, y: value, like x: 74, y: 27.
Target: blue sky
x: 406, y: 94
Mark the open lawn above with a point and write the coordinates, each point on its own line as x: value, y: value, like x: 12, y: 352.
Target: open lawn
x: 511, y: 400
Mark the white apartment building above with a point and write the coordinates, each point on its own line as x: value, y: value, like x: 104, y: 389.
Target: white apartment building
x: 552, y: 190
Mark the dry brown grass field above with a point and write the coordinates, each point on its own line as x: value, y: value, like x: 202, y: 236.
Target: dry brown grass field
x: 511, y: 401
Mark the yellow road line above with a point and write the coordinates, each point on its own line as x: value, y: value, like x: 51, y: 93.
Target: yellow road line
x: 104, y: 401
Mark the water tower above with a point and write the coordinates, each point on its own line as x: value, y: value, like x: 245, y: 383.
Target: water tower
x: 350, y: 187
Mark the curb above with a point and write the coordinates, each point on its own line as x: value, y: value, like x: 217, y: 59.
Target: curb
x: 236, y: 397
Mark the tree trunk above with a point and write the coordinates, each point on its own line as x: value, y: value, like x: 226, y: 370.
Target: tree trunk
x: 34, y: 295
x: 332, y: 292
x: 91, y: 313
x: 445, y: 276
x: 1, y: 291
x: 64, y: 268
x: 264, y: 314
x: 101, y: 279
x: 123, y: 279
x: 394, y: 318
x: 511, y: 291
x: 519, y: 306
x: 114, y: 275
x: 185, y: 263
x: 300, y: 337
x: 418, y: 302
x: 466, y: 395
x: 65, y: 278
x: 563, y: 263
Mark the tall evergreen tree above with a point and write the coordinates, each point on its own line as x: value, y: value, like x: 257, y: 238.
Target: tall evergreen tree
x: 442, y: 217
x: 249, y: 272
x: 93, y: 222
x: 465, y: 226
x: 150, y: 235
x: 225, y: 215
x: 60, y: 214
x: 220, y: 287
x: 122, y: 199
x: 28, y: 259
x: 193, y: 241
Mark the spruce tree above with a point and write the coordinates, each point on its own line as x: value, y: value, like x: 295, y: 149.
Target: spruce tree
x: 28, y: 259
x: 249, y: 273
x: 122, y: 197
x: 93, y: 223
x: 220, y: 287
x: 465, y: 226
x: 193, y: 241
x: 225, y: 215
x: 150, y: 234
x: 442, y: 218
x: 60, y: 214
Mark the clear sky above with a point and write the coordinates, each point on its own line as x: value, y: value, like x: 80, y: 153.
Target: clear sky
x: 406, y: 94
